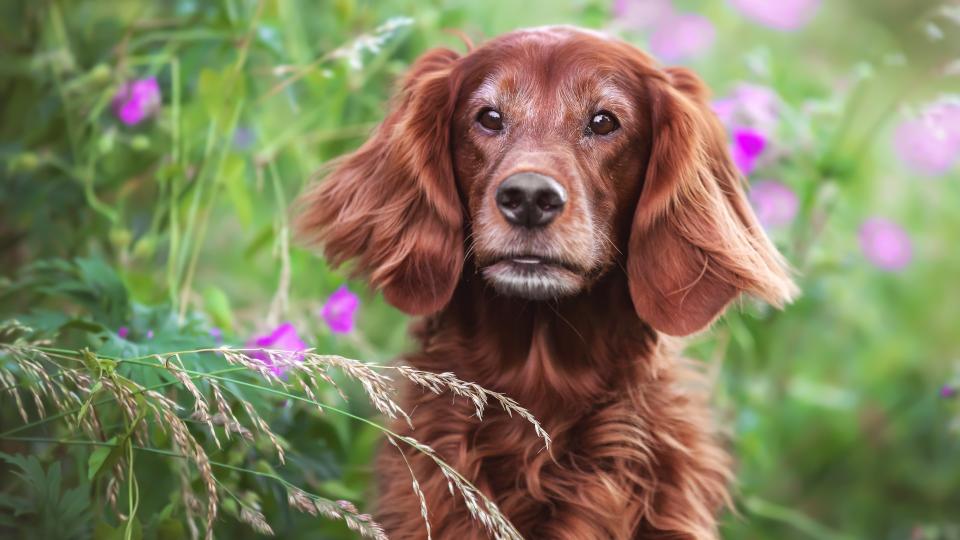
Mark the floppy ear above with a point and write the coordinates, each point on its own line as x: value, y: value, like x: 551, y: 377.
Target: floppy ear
x: 695, y: 243
x: 392, y: 205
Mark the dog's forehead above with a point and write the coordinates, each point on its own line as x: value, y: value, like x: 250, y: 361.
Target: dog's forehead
x: 550, y: 66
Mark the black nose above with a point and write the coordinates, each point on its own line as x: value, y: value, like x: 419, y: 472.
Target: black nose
x: 530, y: 199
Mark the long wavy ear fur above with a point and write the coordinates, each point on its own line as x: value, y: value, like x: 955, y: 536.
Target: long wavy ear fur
x: 392, y: 206
x: 695, y: 244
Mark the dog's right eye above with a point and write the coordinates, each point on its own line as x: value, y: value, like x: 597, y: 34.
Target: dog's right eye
x: 490, y: 119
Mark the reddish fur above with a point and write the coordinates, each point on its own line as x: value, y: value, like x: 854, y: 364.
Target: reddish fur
x: 634, y: 453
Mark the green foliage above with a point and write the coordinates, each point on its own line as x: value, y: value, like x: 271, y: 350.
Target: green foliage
x: 122, y: 242
x: 43, y: 507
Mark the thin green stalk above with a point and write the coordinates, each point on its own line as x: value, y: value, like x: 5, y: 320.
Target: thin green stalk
x: 87, y: 177
x: 133, y: 492
x: 201, y: 233
x: 792, y: 517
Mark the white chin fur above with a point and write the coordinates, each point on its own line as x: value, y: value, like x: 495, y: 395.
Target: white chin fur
x: 532, y: 282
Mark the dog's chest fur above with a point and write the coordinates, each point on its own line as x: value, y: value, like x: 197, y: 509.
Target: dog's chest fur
x: 632, y: 453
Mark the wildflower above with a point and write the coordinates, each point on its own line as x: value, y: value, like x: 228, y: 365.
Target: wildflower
x: 885, y: 244
x: 123, y: 332
x: 340, y: 310
x: 682, y: 36
x: 149, y: 334
x: 243, y: 138
x: 282, y: 338
x: 137, y: 100
x: 785, y: 15
x: 930, y: 143
x: 642, y: 14
x: 948, y: 391
x: 774, y: 202
x: 748, y: 144
x: 216, y: 334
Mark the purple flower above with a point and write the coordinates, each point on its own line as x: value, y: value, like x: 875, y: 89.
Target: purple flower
x: 778, y: 14
x: 216, y: 334
x: 137, y: 100
x: 930, y: 143
x: 749, y: 105
x: 243, y: 138
x: 748, y: 144
x: 948, y: 391
x: 123, y: 332
x: 340, y: 310
x: 774, y: 202
x: 282, y: 338
x: 149, y: 334
x: 682, y: 36
x: 642, y: 14
x: 885, y: 244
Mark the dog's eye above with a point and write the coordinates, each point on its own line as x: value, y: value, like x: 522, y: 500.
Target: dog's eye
x: 603, y: 122
x: 490, y: 119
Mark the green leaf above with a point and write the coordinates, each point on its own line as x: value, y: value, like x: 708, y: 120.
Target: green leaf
x: 103, y: 458
x: 217, y: 305
x: 220, y: 92
x: 235, y: 178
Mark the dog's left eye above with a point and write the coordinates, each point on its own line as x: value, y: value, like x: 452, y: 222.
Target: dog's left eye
x: 603, y: 122
x: 490, y: 119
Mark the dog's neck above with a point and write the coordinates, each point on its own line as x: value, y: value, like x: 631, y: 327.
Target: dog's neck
x: 575, y: 350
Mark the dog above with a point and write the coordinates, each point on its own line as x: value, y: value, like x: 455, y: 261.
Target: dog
x: 554, y: 206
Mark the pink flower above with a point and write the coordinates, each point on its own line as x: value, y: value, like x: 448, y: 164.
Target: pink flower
x: 642, y: 14
x: 774, y: 202
x: 137, y: 100
x: 340, y: 310
x: 947, y: 391
x: 885, y: 244
x: 749, y: 105
x: 778, y: 14
x: 930, y: 144
x: 682, y: 36
x: 123, y: 332
x: 282, y: 338
x: 747, y: 147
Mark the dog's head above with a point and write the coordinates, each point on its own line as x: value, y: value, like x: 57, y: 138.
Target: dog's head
x: 551, y: 157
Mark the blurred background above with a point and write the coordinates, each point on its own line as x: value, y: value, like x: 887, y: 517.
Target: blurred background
x: 150, y: 150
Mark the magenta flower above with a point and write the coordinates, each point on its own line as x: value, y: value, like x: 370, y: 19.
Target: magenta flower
x: 885, y: 244
x: 642, y: 14
x: 947, y: 391
x: 282, y: 338
x: 137, y: 100
x: 682, y: 36
x: 775, y: 203
x: 123, y: 332
x: 340, y: 310
x: 749, y: 105
x: 778, y: 14
x: 748, y: 144
x: 930, y: 143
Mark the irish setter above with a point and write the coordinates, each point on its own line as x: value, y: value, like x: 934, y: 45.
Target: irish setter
x: 554, y: 204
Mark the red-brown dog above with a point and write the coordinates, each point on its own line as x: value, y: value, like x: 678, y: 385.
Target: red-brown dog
x: 553, y: 202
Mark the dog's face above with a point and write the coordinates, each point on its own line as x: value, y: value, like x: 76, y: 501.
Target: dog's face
x: 549, y: 160
x: 550, y: 157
